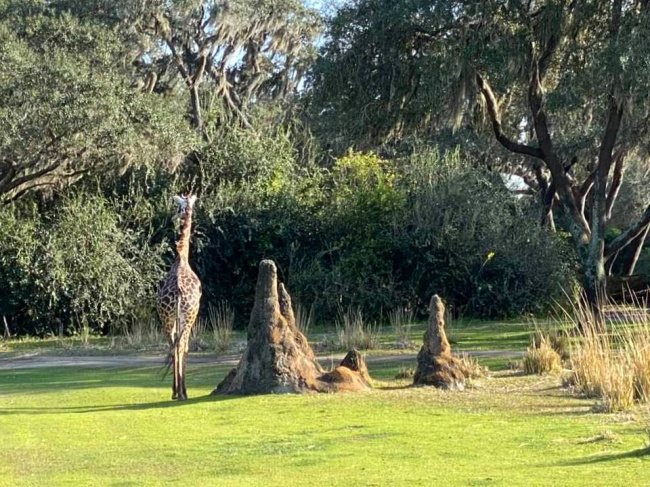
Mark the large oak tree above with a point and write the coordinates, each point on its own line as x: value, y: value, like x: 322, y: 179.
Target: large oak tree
x: 233, y: 53
x: 66, y: 106
x: 561, y: 85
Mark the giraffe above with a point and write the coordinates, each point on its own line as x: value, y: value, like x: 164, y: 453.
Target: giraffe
x: 178, y: 299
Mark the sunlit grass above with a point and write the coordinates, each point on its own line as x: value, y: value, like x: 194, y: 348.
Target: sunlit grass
x: 70, y: 426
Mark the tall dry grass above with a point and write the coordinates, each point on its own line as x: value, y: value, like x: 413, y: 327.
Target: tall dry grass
x: 353, y: 332
x: 197, y: 334
x: 221, y: 319
x: 304, y: 318
x: 611, y: 361
x: 401, y: 322
x: 541, y: 357
x: 143, y: 332
x: 471, y: 368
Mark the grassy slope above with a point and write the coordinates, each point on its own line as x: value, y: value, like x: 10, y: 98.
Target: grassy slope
x: 70, y: 426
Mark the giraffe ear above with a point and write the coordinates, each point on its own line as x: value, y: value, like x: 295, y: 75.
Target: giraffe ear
x: 192, y: 200
x: 178, y: 200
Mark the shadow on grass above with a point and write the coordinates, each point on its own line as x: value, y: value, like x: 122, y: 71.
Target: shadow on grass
x: 117, y: 407
x: 60, y: 379
x: 394, y: 387
x: 638, y: 453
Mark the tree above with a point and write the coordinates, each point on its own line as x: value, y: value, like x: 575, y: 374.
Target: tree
x: 562, y: 85
x: 244, y: 50
x: 66, y: 108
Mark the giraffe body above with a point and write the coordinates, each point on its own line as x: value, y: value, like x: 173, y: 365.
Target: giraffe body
x: 179, y: 296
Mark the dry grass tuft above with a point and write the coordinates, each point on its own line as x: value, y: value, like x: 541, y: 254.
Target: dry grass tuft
x: 541, y: 358
x: 304, y: 318
x: 197, y: 343
x: 221, y: 319
x: 353, y: 332
x: 143, y: 331
x: 405, y: 373
x: 471, y: 368
x: 401, y: 321
x: 611, y: 365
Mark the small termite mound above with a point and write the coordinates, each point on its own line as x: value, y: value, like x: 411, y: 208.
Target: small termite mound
x: 436, y: 366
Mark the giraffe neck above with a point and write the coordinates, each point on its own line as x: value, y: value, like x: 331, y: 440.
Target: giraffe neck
x: 183, y: 242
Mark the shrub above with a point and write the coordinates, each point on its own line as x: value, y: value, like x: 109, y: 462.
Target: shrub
x: 369, y: 232
x: 75, y: 264
x: 470, y: 240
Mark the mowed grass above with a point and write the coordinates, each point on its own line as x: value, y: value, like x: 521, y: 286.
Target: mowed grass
x: 117, y: 427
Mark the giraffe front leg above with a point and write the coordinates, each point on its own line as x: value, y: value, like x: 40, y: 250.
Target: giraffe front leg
x: 184, y: 365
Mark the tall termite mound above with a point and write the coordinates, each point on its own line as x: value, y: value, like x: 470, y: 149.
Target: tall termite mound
x: 436, y: 365
x: 278, y: 357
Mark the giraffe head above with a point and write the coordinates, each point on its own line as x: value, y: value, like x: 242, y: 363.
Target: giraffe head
x: 184, y: 204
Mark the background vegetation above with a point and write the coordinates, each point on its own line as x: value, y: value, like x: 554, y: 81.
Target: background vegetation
x: 363, y: 190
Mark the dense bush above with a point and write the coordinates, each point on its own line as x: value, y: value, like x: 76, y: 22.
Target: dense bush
x: 76, y: 265
x: 370, y: 233
x: 472, y: 241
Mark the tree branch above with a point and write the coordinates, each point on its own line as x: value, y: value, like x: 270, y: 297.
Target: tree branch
x: 30, y: 177
x: 588, y: 183
x: 431, y: 35
x: 7, y: 173
x: 628, y: 235
x: 617, y: 179
x: 493, y: 112
x: 561, y: 180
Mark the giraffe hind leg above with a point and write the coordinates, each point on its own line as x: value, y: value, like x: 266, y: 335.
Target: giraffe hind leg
x: 182, y: 392
x: 175, y: 386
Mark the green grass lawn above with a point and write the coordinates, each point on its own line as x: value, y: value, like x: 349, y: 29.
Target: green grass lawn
x: 117, y: 426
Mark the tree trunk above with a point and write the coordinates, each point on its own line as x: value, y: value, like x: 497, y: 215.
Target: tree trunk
x: 609, y: 264
x: 594, y: 283
x: 197, y: 121
x: 7, y: 332
x: 636, y: 246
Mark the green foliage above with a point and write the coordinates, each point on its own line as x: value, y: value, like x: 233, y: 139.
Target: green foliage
x: 370, y: 232
x: 93, y: 89
x: 66, y: 107
x: 476, y: 244
x: 392, y: 69
x: 219, y: 54
x: 76, y: 264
